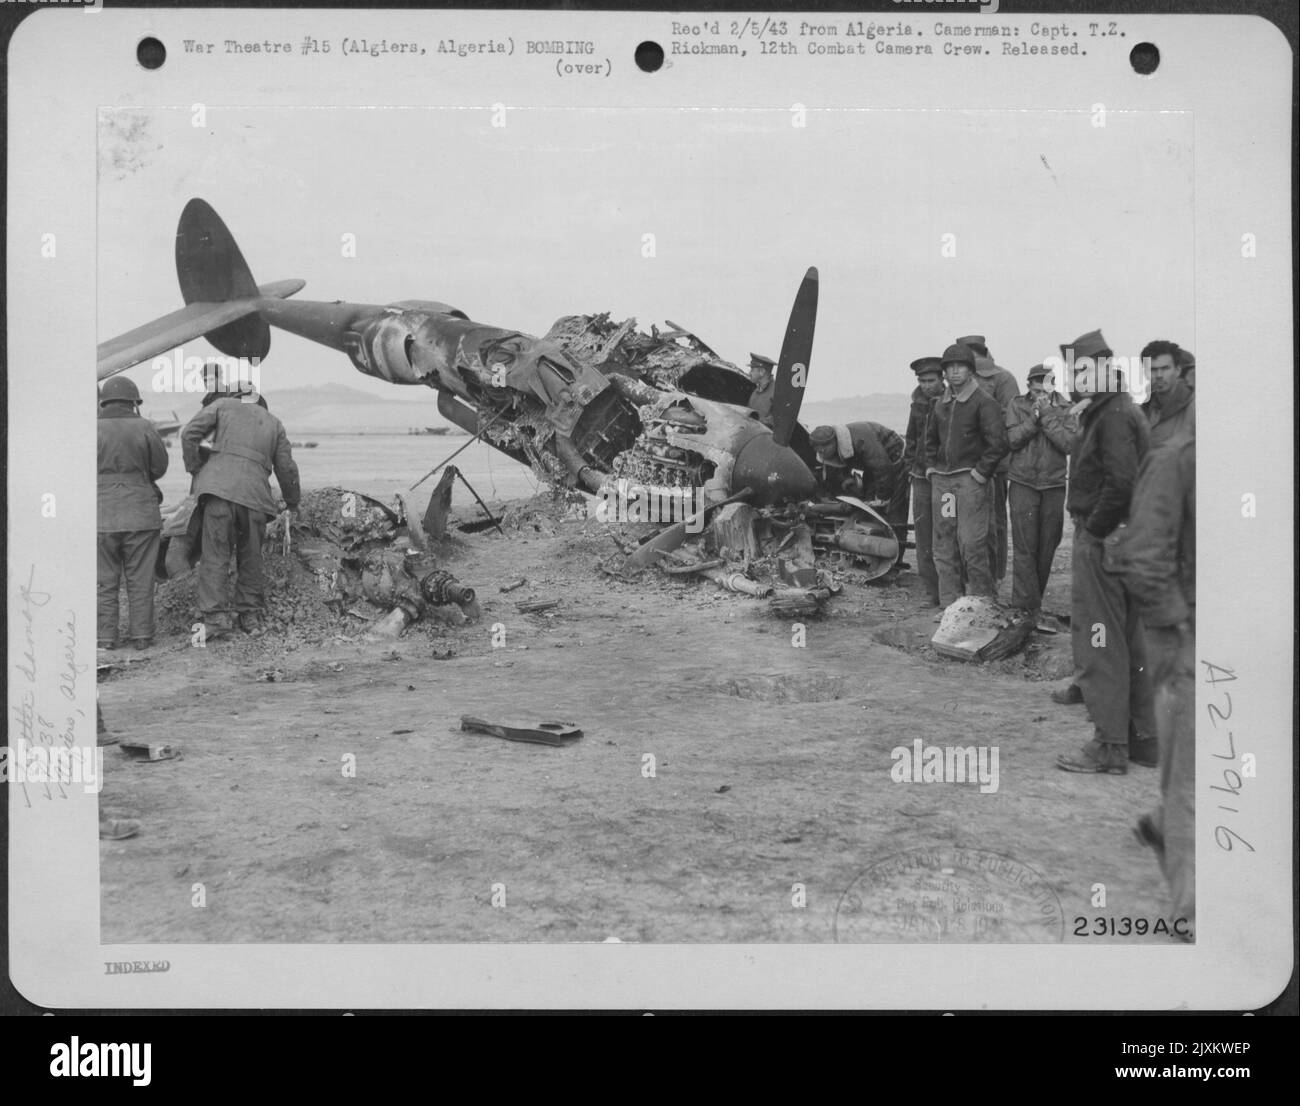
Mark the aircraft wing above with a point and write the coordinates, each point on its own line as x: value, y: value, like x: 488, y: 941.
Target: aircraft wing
x: 191, y: 321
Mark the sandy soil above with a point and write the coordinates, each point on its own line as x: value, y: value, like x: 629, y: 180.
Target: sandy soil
x: 771, y: 769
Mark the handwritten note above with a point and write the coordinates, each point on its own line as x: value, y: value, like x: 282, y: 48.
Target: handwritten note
x: 37, y: 731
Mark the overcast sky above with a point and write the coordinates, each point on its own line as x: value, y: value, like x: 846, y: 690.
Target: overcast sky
x: 1059, y: 226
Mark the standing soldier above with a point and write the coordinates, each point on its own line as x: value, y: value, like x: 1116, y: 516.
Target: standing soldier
x: 1106, y: 631
x: 965, y: 441
x: 929, y: 386
x: 1171, y: 408
x: 761, y: 374
x: 1003, y: 387
x: 234, y: 494
x: 877, y: 453
x: 132, y: 457
x: 1160, y: 571
x: 1040, y: 432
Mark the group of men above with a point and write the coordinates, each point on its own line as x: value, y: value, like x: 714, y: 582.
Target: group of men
x: 976, y: 448
x: 230, y: 447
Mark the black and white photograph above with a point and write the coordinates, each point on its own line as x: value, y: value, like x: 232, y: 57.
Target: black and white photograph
x: 693, y: 482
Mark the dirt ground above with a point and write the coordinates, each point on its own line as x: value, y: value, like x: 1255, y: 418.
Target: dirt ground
x: 771, y: 791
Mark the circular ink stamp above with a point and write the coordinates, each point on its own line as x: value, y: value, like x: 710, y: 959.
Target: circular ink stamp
x: 948, y: 895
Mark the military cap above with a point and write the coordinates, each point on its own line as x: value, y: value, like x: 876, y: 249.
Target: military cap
x: 1090, y: 345
x: 758, y: 360
x: 927, y: 365
x: 822, y: 437
x: 976, y: 342
x: 961, y: 353
x: 1186, y: 360
x: 1037, y: 371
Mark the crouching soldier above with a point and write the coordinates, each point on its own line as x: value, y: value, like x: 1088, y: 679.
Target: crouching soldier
x: 132, y: 457
x: 1040, y: 432
x: 874, y: 451
x: 234, y: 494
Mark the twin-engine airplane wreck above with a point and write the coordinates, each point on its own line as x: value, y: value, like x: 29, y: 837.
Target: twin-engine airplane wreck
x: 589, y: 404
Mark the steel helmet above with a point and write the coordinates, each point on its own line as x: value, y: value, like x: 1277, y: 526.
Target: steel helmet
x: 120, y: 388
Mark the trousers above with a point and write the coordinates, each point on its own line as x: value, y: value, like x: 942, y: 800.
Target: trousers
x: 959, y: 508
x: 1037, y: 523
x: 998, y: 528
x: 1173, y: 672
x: 1109, y: 650
x: 923, y: 535
x: 231, y: 528
x: 133, y: 554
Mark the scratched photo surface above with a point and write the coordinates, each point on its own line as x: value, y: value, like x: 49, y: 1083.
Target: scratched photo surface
x: 521, y: 450
x: 732, y: 756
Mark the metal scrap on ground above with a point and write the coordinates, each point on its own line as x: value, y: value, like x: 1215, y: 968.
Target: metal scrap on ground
x: 536, y: 733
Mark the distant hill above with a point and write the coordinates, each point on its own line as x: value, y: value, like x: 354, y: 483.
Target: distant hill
x: 888, y: 408
x: 339, y: 409
x: 331, y: 408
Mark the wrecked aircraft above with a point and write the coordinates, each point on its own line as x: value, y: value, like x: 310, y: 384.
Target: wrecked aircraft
x: 589, y: 404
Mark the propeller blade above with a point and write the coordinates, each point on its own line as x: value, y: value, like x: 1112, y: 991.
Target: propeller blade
x: 792, y: 369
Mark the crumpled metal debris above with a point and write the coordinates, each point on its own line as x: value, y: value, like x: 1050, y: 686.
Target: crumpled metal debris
x: 975, y: 628
x: 366, y: 553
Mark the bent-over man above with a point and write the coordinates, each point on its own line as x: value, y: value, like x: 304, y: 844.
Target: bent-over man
x: 865, y: 460
x: 234, y: 494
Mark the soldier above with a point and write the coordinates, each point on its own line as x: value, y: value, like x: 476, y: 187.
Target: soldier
x: 216, y: 387
x: 965, y: 441
x: 1040, y: 433
x: 761, y: 374
x: 877, y: 453
x: 929, y: 386
x: 132, y: 457
x: 234, y: 494
x: 1160, y: 571
x: 1003, y: 387
x: 1106, y: 632
x: 1171, y: 408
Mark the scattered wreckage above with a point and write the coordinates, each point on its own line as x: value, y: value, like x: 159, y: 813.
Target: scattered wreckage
x: 590, y: 406
x: 372, y: 560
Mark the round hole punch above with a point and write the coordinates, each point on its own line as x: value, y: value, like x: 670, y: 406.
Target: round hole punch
x: 1145, y: 58
x: 649, y: 57
x: 150, y: 53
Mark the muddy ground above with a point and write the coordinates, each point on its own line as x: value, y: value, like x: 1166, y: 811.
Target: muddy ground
x: 771, y: 794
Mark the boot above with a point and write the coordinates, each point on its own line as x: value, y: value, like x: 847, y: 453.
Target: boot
x: 1096, y: 757
x: 1068, y: 696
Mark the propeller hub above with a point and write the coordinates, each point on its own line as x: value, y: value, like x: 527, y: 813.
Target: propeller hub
x: 773, y: 473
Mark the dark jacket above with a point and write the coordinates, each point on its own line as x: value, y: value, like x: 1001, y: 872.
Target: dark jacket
x: 1039, y: 445
x: 878, y: 452
x: 918, y: 421
x: 131, y: 457
x: 760, y: 400
x: 965, y: 432
x: 249, y: 443
x: 1159, y: 551
x: 995, y: 380
x: 1173, y: 416
x: 1113, y: 439
x: 1002, y: 386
